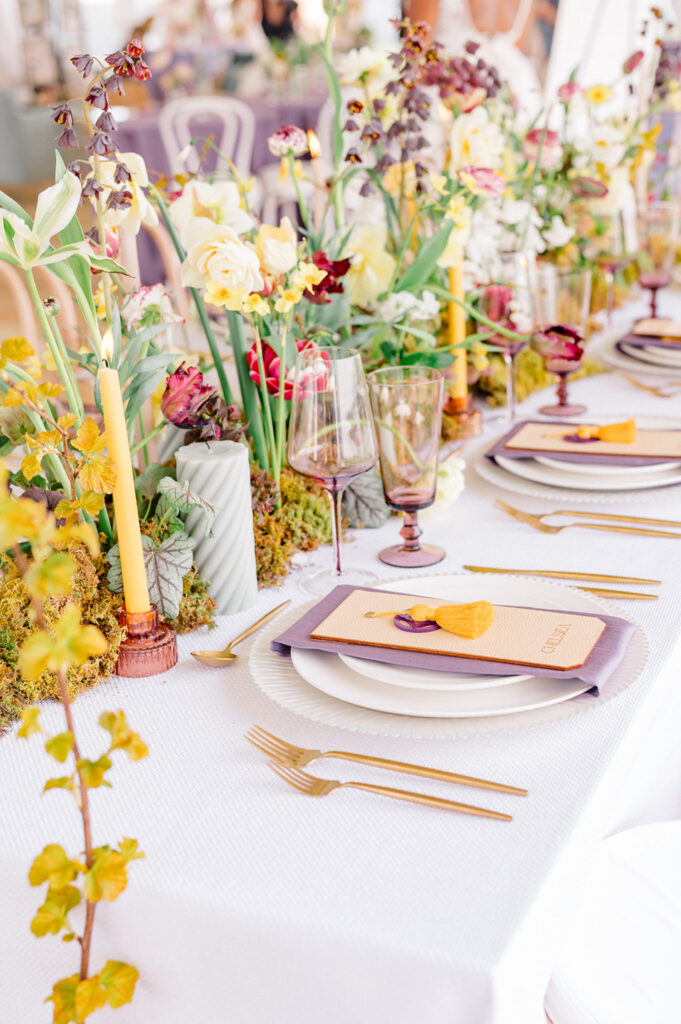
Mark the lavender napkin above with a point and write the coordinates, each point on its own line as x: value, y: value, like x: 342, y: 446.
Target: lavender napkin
x: 645, y: 341
x: 499, y: 448
x: 597, y: 669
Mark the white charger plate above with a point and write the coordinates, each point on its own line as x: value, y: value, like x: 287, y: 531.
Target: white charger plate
x: 600, y: 469
x: 656, y: 356
x: 613, y: 357
x: 277, y: 678
x: 530, y: 469
x: 442, y: 588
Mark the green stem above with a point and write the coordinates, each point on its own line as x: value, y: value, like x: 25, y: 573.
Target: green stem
x: 249, y: 396
x: 476, y: 314
x: 302, y: 205
x: 69, y: 367
x: 145, y: 440
x: 61, y: 359
x: 281, y: 403
x: 266, y: 409
x: 143, y: 443
x: 105, y: 525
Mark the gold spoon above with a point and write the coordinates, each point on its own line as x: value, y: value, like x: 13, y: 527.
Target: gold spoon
x: 219, y: 659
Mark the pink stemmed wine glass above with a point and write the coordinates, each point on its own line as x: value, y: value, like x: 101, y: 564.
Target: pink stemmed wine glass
x: 331, y: 438
x: 560, y: 348
x: 658, y: 230
x: 407, y: 406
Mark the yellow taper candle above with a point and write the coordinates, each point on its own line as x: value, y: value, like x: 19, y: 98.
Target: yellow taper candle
x: 457, y: 332
x: 124, y: 497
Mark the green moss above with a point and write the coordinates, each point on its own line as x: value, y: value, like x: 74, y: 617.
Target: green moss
x: 301, y: 524
x: 197, y: 608
x: 531, y: 376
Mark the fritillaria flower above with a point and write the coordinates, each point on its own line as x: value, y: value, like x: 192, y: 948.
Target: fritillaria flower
x: 288, y: 140
x: 83, y: 63
x: 185, y: 397
x: 62, y: 114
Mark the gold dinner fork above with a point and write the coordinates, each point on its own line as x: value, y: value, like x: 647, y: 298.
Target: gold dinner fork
x: 300, y: 757
x: 670, y: 390
x: 537, y: 521
x: 312, y: 786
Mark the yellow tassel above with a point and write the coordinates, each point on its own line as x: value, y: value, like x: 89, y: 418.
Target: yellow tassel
x: 467, y: 620
x: 618, y: 433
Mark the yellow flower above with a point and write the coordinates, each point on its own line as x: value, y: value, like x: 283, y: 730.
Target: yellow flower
x: 438, y: 182
x: 219, y: 295
x: 255, y: 303
x: 400, y: 179
x: 597, y: 94
x: 458, y: 211
x: 288, y: 298
x: 307, y: 275
x: 372, y: 265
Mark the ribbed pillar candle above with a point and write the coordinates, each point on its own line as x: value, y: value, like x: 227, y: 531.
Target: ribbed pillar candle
x: 219, y: 472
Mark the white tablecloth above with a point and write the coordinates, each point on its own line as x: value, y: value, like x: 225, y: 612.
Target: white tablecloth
x: 256, y: 904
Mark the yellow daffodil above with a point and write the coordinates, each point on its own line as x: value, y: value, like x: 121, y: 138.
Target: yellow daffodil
x: 372, y: 265
x: 218, y: 294
x: 255, y: 303
x: 458, y: 211
x: 597, y: 94
x: 288, y: 298
x: 307, y: 275
x: 438, y: 182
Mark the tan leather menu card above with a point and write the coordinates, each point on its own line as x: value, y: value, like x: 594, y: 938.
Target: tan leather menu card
x: 656, y: 327
x: 537, y: 638
x: 549, y: 437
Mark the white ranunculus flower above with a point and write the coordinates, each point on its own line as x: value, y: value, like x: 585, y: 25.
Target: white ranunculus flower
x: 216, y: 201
x: 150, y: 304
x: 140, y: 211
x: 216, y: 253
x: 363, y: 65
x: 558, y: 234
x: 277, y: 248
x: 406, y: 306
x: 475, y: 141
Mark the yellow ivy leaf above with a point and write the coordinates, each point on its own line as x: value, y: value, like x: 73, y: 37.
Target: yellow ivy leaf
x: 45, y: 439
x: 50, y: 389
x: 93, y: 771
x: 53, y: 866
x: 118, y: 981
x: 129, y: 849
x: 60, y: 746
x: 107, y: 878
x: 13, y: 398
x: 29, y: 723
x: 91, y: 503
x: 14, y: 350
x: 122, y: 736
x: 89, y: 997
x: 67, y: 510
x: 52, y: 577
x: 71, y: 644
x: 23, y: 519
x: 67, y: 421
x: 30, y: 466
x: 83, y: 532
x: 34, y: 367
x: 64, y: 999
x: 51, y: 916
x: 37, y: 655
x: 62, y: 782
x: 89, y: 440
x: 97, y: 473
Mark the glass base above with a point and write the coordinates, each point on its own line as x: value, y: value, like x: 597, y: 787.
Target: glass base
x: 562, y: 410
x: 426, y: 554
x: 322, y: 581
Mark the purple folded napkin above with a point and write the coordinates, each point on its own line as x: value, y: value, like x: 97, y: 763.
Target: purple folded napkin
x: 645, y: 341
x: 499, y: 448
x: 597, y: 669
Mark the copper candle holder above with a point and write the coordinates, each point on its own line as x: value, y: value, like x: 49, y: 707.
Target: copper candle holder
x: 150, y: 646
x: 463, y: 420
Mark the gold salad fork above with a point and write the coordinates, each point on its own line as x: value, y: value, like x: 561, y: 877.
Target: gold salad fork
x: 537, y: 521
x: 312, y: 786
x: 300, y: 757
x: 669, y: 390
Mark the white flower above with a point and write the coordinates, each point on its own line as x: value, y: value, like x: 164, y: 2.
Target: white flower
x: 216, y: 253
x: 140, y: 211
x: 289, y: 140
x: 150, y: 304
x: 362, y: 65
x: 26, y: 246
x: 277, y: 248
x: 609, y: 145
x: 558, y: 233
x: 475, y: 141
x: 409, y: 307
x: 218, y: 202
x: 450, y: 484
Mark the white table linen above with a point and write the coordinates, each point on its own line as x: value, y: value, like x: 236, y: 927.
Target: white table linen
x: 257, y: 904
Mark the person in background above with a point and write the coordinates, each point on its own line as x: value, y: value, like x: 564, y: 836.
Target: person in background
x: 278, y: 19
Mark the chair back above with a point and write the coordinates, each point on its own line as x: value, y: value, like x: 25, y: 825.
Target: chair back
x: 230, y: 120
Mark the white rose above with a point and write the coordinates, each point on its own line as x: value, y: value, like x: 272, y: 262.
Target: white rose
x: 363, y: 64
x: 217, y: 202
x: 277, y: 248
x: 475, y: 141
x: 216, y: 253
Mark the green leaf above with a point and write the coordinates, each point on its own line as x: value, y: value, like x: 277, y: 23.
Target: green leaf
x: 108, y: 265
x: 60, y: 746
x: 51, y: 916
x: 118, y: 980
x: 89, y: 997
x: 53, y: 866
x: 62, y: 782
x: 184, y: 500
x: 166, y: 567
x: 146, y: 484
x: 64, y: 999
x: 436, y: 358
x: 364, y: 503
x: 114, y: 577
x: 93, y: 771
x: 423, y: 266
x: 107, y: 878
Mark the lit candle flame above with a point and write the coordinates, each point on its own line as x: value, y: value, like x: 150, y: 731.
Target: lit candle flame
x: 107, y: 345
x: 313, y: 144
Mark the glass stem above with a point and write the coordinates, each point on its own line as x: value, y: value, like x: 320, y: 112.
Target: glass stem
x: 562, y: 388
x: 411, y: 531
x: 509, y: 361
x: 653, y: 302
x: 609, y: 297
x: 336, y: 498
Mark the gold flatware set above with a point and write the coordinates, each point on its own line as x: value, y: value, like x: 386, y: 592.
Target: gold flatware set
x: 668, y: 390
x: 587, y: 577
x: 537, y: 521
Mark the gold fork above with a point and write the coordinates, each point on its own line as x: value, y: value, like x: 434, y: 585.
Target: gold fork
x: 312, y: 786
x: 670, y: 390
x: 537, y: 522
x: 300, y: 757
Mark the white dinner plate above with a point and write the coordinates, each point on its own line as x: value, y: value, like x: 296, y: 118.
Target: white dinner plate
x: 529, y: 469
x: 630, y: 364
x: 442, y: 588
x: 598, y: 469
x: 651, y: 355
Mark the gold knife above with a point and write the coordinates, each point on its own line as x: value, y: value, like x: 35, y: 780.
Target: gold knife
x: 616, y: 518
x: 625, y: 595
x: 554, y: 574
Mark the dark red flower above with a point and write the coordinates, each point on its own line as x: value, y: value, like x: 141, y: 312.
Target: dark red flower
x: 121, y: 63
x: 135, y: 48
x: 559, y: 345
x: 185, y: 396
x: 331, y: 284
x: 62, y: 114
x: 142, y: 71
x: 272, y: 365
